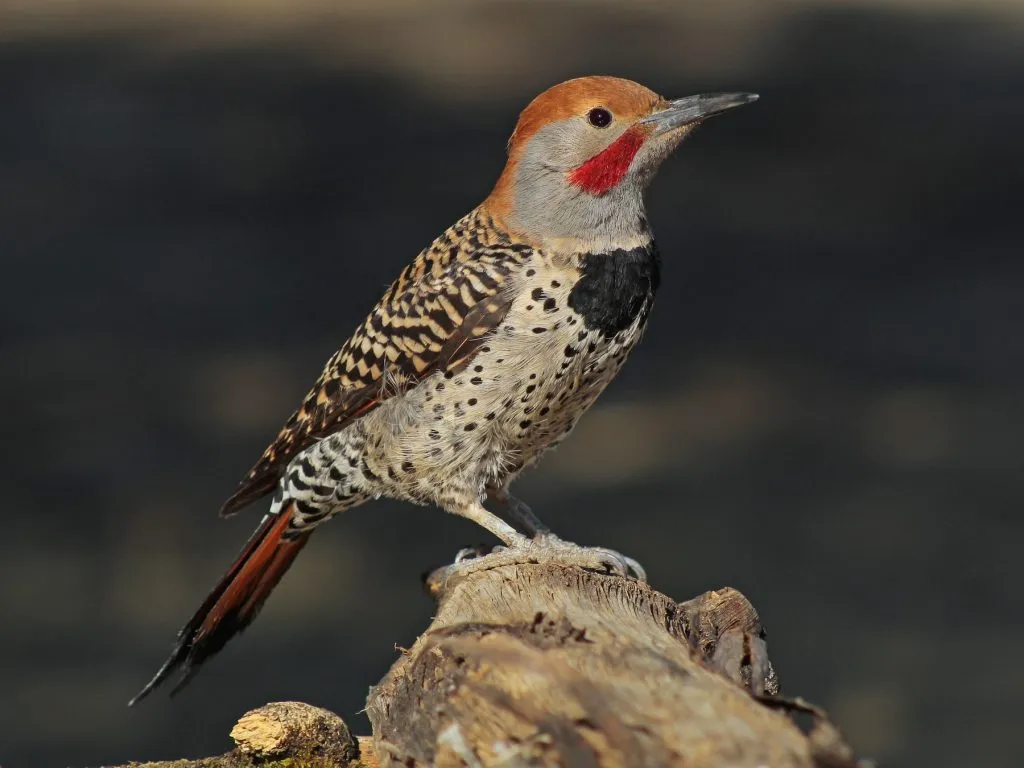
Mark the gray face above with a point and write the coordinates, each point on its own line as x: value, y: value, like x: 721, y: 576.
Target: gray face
x: 547, y: 205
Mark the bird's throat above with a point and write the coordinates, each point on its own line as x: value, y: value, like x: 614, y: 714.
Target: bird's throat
x: 607, y: 168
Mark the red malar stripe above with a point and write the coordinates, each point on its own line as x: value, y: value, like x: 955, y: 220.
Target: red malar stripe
x: 606, y: 169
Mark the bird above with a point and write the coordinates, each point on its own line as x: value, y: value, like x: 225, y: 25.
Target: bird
x: 481, y: 356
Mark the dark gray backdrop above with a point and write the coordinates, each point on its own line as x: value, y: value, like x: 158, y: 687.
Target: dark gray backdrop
x: 826, y: 412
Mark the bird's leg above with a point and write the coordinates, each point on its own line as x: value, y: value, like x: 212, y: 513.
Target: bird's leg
x: 542, y: 536
x: 520, y: 511
x: 476, y: 512
x: 543, y: 547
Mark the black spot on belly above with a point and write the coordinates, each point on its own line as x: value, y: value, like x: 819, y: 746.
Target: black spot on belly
x: 616, y: 288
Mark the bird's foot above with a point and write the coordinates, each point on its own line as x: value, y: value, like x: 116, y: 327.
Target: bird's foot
x: 605, y: 559
x: 546, y: 548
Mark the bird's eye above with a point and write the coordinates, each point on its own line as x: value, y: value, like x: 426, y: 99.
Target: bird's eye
x: 599, y: 117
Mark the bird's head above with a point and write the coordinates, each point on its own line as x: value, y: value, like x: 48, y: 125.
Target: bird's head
x: 582, y: 154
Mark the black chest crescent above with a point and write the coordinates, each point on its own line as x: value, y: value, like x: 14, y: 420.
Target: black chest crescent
x: 616, y: 287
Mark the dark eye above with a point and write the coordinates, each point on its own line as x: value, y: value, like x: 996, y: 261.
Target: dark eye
x: 599, y: 117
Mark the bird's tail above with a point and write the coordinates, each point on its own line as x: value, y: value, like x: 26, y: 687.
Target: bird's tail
x: 235, y: 601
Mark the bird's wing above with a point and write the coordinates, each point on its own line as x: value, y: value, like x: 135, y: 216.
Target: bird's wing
x: 433, y: 318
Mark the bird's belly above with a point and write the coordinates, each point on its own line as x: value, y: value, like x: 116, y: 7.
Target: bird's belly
x: 457, y: 433
x: 547, y: 408
x: 523, y: 393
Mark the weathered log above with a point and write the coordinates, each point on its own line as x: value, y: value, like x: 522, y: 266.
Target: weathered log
x: 542, y: 664
x: 545, y: 664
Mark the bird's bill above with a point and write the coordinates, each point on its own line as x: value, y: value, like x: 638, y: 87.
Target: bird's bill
x: 692, y: 109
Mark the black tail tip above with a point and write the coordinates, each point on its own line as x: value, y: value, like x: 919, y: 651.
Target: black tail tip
x: 178, y: 659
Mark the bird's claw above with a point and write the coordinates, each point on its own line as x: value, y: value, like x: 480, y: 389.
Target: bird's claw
x: 592, y: 558
x: 633, y: 568
x: 471, y: 553
x: 546, y: 548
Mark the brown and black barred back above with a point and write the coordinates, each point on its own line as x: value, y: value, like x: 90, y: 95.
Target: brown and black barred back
x: 433, y: 317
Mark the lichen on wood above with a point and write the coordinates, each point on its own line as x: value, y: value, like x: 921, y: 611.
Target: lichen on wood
x: 286, y: 734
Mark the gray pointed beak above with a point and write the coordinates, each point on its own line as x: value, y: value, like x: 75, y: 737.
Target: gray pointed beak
x: 694, y: 108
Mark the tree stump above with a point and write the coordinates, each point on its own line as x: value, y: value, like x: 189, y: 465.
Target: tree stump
x: 542, y: 664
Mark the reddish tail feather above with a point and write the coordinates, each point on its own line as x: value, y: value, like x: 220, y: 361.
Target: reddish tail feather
x: 234, y: 602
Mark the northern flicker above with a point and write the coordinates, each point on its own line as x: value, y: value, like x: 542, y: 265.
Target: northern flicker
x: 482, y: 355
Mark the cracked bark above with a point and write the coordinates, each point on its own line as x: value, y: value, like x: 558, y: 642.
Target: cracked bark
x: 542, y: 664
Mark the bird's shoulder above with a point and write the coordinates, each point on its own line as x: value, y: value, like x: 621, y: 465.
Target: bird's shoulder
x: 432, y: 318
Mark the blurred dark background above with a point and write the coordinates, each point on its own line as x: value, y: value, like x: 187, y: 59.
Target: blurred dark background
x: 199, y: 201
